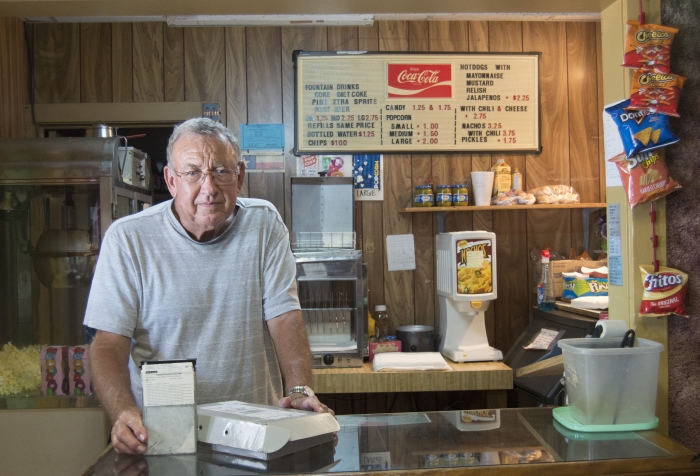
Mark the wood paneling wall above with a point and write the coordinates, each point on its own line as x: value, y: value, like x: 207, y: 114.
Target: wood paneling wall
x: 14, y: 70
x: 249, y: 72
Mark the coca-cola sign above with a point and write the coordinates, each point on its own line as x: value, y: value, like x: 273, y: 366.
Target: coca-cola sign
x: 419, y: 80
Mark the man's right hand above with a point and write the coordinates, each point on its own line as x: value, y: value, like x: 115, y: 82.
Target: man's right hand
x: 128, y: 433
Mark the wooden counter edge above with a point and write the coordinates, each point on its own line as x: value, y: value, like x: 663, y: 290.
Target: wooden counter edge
x: 463, y: 376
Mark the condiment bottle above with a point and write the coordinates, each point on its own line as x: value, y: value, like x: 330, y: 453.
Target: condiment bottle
x: 381, y: 325
x: 545, y: 287
x: 517, y: 180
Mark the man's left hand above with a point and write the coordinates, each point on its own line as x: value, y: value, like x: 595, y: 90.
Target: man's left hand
x: 302, y: 402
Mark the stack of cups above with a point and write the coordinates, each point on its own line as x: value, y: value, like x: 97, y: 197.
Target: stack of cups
x: 482, y: 188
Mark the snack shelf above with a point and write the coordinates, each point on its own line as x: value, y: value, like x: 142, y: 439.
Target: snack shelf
x: 588, y: 208
x: 497, y: 208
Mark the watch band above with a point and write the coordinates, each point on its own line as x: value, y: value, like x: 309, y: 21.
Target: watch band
x: 303, y: 389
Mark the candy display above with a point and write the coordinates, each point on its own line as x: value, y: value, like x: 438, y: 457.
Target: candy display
x: 80, y: 382
x: 54, y: 370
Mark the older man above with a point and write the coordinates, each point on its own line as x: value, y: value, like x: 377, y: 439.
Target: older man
x: 207, y: 275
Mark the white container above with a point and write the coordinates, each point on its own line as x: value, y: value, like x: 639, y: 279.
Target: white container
x: 609, y: 385
x: 482, y: 185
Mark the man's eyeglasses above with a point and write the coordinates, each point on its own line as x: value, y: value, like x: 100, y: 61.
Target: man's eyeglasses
x: 219, y: 176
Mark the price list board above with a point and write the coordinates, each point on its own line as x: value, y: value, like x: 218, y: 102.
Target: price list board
x: 362, y: 102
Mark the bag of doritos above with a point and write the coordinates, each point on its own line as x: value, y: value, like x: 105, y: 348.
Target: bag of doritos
x: 648, y: 46
x: 656, y: 92
x: 644, y: 177
x: 664, y: 292
x: 640, y: 131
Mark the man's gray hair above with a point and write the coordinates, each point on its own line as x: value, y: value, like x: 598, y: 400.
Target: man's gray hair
x: 203, y: 126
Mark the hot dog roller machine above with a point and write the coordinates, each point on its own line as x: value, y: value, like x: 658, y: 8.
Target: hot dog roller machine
x: 330, y: 282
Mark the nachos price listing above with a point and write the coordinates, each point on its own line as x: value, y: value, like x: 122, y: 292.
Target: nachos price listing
x: 395, y: 102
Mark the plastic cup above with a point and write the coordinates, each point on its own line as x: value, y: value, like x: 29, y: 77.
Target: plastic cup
x: 482, y: 186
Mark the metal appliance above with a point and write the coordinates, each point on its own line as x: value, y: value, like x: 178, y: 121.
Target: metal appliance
x: 331, y: 288
x: 544, y: 388
x: 466, y: 285
x: 57, y: 199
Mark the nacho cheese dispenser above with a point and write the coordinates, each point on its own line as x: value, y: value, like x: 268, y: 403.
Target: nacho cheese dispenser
x: 466, y: 285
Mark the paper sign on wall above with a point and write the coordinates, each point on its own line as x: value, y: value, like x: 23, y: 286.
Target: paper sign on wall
x: 400, y: 252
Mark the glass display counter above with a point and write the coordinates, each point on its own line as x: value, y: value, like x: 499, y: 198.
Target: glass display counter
x: 513, y: 440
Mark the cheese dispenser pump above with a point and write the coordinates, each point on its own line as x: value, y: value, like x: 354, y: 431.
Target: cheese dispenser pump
x: 466, y: 285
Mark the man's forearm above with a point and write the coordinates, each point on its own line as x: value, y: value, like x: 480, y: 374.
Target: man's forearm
x: 292, y: 347
x: 109, y: 368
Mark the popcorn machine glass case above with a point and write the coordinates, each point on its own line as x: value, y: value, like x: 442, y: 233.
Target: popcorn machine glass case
x: 57, y: 199
x: 332, y: 291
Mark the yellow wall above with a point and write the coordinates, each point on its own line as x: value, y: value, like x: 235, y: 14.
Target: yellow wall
x: 635, y: 224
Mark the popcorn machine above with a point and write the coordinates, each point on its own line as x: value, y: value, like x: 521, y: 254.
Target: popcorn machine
x: 57, y: 198
x: 466, y: 285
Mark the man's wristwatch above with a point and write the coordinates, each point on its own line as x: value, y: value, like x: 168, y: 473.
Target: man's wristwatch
x: 303, y: 389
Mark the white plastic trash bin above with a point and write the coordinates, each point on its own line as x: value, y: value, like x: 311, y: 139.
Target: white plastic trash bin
x: 610, y: 385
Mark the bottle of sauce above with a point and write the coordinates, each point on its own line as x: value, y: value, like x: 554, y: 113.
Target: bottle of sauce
x: 517, y: 180
x: 545, y: 286
x: 381, y: 324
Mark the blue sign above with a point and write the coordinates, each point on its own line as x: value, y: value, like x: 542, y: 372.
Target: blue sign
x: 262, y: 136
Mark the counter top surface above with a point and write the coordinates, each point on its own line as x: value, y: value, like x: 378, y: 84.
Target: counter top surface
x: 515, y: 441
x: 463, y: 376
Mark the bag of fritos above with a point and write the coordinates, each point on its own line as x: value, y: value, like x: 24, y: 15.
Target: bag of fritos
x: 648, y: 46
x: 664, y: 292
x: 644, y: 177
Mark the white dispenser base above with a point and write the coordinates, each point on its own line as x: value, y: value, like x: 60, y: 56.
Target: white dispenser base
x: 463, y: 332
x: 473, y: 354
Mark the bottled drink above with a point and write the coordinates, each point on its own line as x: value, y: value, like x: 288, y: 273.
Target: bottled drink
x: 545, y: 287
x: 381, y: 324
x: 517, y: 180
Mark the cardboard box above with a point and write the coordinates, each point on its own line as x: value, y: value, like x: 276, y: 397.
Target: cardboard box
x: 261, y: 431
x: 569, y: 266
x: 386, y: 346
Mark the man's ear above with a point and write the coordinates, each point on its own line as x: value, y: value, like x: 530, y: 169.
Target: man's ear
x: 240, y: 170
x: 170, y: 181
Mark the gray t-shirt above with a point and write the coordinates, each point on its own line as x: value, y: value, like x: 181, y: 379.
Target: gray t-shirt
x: 180, y: 299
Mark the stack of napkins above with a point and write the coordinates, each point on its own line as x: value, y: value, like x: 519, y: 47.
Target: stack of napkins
x: 590, y: 302
x: 409, y: 361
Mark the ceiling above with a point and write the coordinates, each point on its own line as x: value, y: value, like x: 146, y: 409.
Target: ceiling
x: 381, y: 9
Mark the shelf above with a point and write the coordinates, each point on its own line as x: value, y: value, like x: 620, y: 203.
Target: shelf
x: 497, y: 208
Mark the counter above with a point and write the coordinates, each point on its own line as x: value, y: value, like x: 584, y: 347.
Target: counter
x: 464, y: 376
x: 524, y: 441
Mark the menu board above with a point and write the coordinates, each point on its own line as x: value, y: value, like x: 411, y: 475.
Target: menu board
x: 359, y: 102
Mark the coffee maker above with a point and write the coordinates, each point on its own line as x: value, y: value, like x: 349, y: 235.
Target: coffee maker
x: 466, y: 285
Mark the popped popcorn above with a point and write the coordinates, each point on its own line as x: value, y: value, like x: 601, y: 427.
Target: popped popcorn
x: 20, y: 370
